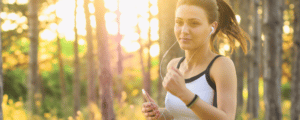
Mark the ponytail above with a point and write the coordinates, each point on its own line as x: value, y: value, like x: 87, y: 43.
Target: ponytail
x: 228, y: 25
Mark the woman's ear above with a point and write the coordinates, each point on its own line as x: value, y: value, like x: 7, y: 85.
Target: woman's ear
x: 214, y: 26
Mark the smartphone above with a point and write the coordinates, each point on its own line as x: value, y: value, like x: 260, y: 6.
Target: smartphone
x: 145, y: 95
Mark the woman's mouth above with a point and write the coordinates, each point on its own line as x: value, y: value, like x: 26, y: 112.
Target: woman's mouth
x: 185, y: 39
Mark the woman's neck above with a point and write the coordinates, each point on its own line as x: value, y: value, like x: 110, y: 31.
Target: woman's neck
x: 196, y: 57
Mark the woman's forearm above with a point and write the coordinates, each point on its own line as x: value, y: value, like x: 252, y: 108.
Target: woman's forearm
x: 165, y: 115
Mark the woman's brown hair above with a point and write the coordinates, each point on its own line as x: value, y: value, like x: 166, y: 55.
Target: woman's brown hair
x: 220, y: 11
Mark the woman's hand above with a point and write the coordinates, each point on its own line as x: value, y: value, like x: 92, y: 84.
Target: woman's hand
x: 174, y: 82
x: 150, y: 109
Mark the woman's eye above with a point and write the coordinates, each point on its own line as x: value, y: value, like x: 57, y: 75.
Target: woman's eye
x: 194, y: 23
x: 178, y: 22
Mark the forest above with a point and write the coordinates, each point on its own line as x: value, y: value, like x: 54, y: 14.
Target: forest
x: 90, y: 59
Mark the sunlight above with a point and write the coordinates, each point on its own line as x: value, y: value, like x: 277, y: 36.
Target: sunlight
x: 3, y: 15
x: 226, y: 47
x: 12, y: 16
x: 154, y: 50
x: 132, y: 46
x: 286, y: 29
x: 21, y: 2
x: 238, y: 18
x: 91, y: 8
x: 111, y: 4
x: 48, y: 35
x: 53, y: 26
x: 11, y: 1
x: 263, y: 37
x: 154, y: 10
x: 7, y: 25
x: 81, y: 42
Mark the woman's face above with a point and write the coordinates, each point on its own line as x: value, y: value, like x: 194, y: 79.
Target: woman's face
x: 191, y: 27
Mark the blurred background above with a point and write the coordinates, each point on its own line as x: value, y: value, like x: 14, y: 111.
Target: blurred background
x: 91, y: 62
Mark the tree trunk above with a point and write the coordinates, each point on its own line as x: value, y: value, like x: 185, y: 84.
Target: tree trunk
x: 1, y: 70
x: 272, y: 71
x: 295, y: 85
x: 141, y: 57
x: 120, y: 56
x: 254, y: 73
x: 76, y: 82
x: 90, y: 61
x: 245, y: 21
x: 105, y: 68
x: 166, y: 17
x: 33, y: 55
x: 147, y: 81
x: 61, y: 73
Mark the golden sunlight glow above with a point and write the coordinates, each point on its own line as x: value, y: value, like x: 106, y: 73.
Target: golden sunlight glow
x: 7, y: 25
x: 91, y: 8
x: 81, y: 42
x: 111, y: 5
x: 12, y: 16
x: 131, y: 46
x: 153, y: 2
x: 11, y: 1
x: 22, y: 2
x: 263, y: 37
x: 154, y: 50
x: 3, y: 15
x: 48, y: 35
x: 226, y: 47
x: 154, y: 10
x: 286, y: 29
x: 238, y: 18
x: 53, y: 26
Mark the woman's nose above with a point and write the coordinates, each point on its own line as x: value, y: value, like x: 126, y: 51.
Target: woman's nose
x: 185, y: 29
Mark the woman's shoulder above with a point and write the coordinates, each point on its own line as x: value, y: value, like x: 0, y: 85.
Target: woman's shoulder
x: 223, y: 66
x: 173, y: 62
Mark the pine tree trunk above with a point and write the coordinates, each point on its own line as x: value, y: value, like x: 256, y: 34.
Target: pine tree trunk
x: 147, y: 81
x: 33, y: 55
x: 120, y: 56
x: 255, y: 60
x: 61, y: 73
x: 141, y: 57
x: 90, y: 61
x: 166, y: 39
x: 245, y: 21
x: 105, y: 68
x: 295, y: 85
x: 272, y: 53
x: 1, y: 69
x: 76, y: 82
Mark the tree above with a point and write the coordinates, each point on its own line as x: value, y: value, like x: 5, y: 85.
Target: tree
x: 120, y: 55
x: 254, y: 73
x: 147, y: 81
x: 90, y: 60
x: 166, y: 18
x: 1, y: 73
x: 61, y: 72
x: 76, y: 82
x: 295, y: 84
x: 33, y: 53
x: 240, y: 62
x: 105, y: 77
x: 272, y: 63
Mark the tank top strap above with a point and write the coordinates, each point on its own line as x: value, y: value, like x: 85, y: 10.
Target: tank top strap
x: 178, y: 65
x: 210, y: 64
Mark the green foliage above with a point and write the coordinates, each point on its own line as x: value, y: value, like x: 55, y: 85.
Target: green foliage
x: 15, y: 83
x: 286, y: 91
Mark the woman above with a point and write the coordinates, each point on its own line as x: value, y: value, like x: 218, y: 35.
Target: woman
x: 202, y: 84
